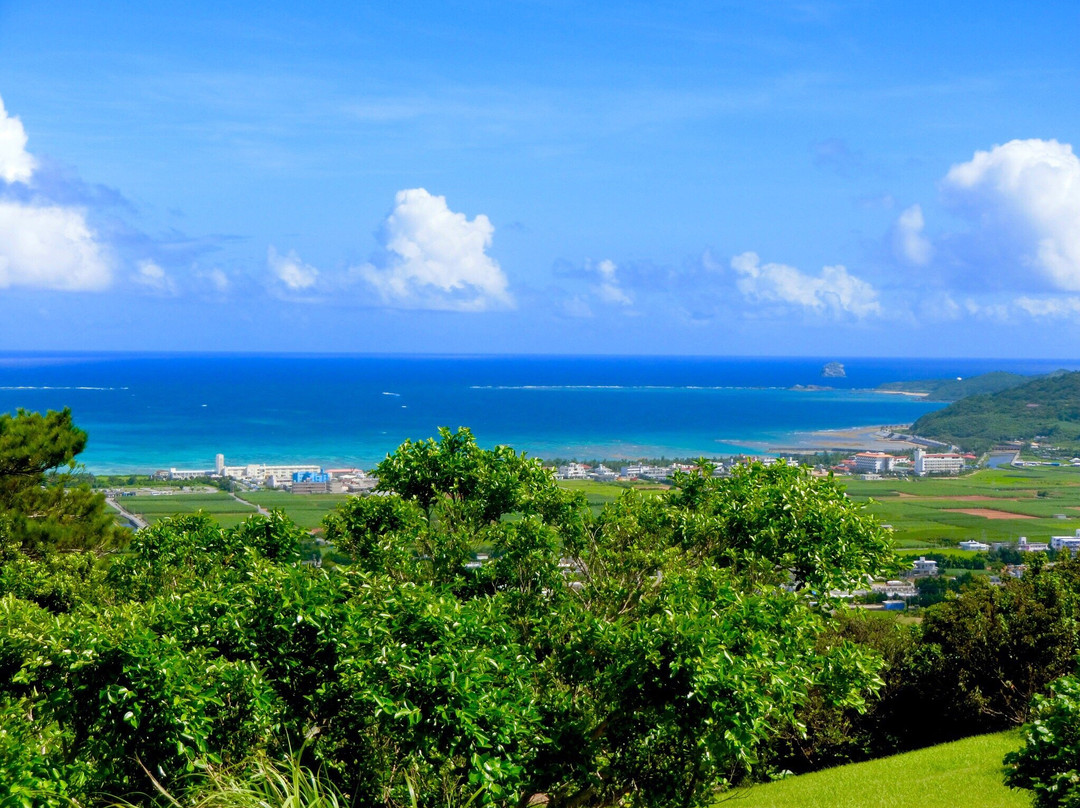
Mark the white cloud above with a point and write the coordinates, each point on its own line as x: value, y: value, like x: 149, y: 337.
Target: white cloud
x: 154, y: 279
x: 437, y: 259
x: 909, y: 242
x: 576, y: 306
x: 291, y: 271
x: 16, y: 164
x: 833, y: 291
x: 216, y: 279
x: 1024, y: 197
x: 609, y: 290
x: 43, y: 246
x: 939, y: 308
x: 1049, y: 306
x: 50, y: 247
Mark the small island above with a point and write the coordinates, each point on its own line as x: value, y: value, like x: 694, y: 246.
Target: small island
x: 833, y: 370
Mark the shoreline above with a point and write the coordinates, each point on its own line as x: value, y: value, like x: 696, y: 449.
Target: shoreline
x: 853, y: 439
x: 844, y: 439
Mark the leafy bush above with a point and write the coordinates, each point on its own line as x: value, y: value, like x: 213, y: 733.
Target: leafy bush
x: 1048, y: 763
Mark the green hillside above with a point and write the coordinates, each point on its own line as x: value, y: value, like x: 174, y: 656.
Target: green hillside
x: 956, y: 389
x: 1047, y: 407
x: 963, y: 773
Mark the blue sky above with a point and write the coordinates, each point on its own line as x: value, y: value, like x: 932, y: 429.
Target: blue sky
x: 785, y: 178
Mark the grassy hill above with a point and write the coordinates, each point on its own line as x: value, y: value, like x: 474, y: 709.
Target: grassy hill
x: 963, y: 773
x: 1048, y: 406
x: 956, y: 389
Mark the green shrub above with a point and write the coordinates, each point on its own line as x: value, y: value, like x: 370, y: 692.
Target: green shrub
x: 1049, y: 761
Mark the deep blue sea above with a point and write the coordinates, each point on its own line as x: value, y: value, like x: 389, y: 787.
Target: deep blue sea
x: 145, y: 412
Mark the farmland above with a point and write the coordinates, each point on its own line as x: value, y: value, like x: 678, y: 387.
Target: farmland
x: 989, y: 505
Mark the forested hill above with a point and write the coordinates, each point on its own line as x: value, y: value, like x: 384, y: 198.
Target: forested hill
x: 956, y: 389
x: 1048, y: 406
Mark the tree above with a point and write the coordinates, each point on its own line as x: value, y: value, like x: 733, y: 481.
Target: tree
x: 986, y: 652
x: 46, y: 506
x: 1047, y: 763
x: 657, y: 654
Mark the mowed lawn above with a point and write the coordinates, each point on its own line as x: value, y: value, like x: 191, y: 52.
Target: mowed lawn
x: 964, y: 774
x: 307, y: 510
x: 928, y: 513
x: 226, y: 510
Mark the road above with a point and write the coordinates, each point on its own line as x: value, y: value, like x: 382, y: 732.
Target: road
x: 259, y: 508
x: 135, y: 519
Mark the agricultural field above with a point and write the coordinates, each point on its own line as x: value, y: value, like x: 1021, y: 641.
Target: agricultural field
x: 226, y: 510
x: 963, y: 773
x: 989, y: 505
x: 599, y: 494
x: 307, y: 510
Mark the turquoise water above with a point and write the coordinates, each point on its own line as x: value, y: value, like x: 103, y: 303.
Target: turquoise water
x: 145, y: 412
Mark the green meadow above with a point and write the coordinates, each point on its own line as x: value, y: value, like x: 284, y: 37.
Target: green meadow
x: 963, y: 773
x: 307, y: 510
x: 226, y: 510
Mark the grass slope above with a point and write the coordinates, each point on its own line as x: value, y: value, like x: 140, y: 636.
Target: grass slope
x: 953, y: 775
x: 1048, y: 406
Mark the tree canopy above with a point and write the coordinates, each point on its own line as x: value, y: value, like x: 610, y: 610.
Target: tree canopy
x: 43, y: 505
x: 647, y: 656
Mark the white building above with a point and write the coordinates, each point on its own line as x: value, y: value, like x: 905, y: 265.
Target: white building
x: 573, y: 471
x: 1025, y: 546
x: 923, y: 568
x: 874, y: 462
x: 894, y: 589
x: 602, y: 472
x: 1070, y: 543
x: 188, y: 474
x: 651, y: 472
x: 971, y: 544
x: 944, y: 463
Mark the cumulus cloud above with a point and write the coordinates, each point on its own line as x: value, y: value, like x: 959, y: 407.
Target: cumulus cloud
x: 154, y: 279
x: 291, y: 271
x: 609, y: 290
x: 1024, y: 198
x: 436, y: 258
x: 43, y: 245
x: 50, y: 247
x: 834, y: 291
x: 16, y: 164
x: 909, y: 243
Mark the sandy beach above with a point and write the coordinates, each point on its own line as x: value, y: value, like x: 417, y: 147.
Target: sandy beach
x: 860, y: 438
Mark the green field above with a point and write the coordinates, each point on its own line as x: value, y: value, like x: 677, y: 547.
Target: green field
x: 954, y: 775
x: 226, y: 510
x: 307, y: 510
x: 923, y: 513
x: 599, y: 494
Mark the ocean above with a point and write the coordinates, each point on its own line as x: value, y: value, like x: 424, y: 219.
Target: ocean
x: 151, y: 411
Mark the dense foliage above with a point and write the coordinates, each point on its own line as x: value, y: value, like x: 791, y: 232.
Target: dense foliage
x: 44, y: 505
x: 1047, y: 407
x: 1049, y: 761
x: 648, y: 656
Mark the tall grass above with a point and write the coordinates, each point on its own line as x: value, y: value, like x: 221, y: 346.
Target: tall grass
x: 266, y: 784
